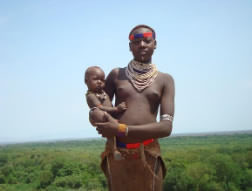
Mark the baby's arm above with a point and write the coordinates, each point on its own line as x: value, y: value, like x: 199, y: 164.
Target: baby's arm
x: 95, y: 113
x: 117, y: 109
x: 93, y: 101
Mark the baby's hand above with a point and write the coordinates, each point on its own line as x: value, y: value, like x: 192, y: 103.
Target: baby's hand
x: 121, y: 107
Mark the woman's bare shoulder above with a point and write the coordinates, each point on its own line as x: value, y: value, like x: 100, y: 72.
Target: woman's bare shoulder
x: 115, y: 73
x: 165, y: 77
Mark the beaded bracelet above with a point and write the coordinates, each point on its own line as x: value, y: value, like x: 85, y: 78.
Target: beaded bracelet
x: 122, y: 130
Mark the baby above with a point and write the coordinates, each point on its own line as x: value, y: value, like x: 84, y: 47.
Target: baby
x: 99, y: 102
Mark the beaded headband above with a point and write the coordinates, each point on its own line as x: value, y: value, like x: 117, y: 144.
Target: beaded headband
x: 141, y: 35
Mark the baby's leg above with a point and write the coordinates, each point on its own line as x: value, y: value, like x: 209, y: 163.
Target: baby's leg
x: 97, y: 115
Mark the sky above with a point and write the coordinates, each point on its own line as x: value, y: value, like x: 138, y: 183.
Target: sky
x: 46, y: 45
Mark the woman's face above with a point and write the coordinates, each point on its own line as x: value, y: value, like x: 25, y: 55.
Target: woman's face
x: 142, y: 48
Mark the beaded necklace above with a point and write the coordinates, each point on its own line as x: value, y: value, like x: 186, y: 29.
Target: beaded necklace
x: 141, y: 75
x: 101, y: 96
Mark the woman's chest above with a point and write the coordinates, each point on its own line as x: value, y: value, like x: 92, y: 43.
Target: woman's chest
x: 126, y: 91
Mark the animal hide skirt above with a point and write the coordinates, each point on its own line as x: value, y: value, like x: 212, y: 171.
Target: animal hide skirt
x: 140, y: 169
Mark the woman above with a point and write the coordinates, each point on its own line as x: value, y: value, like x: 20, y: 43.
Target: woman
x: 144, y: 89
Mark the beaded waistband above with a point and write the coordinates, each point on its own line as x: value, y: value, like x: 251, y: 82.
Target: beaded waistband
x: 133, y: 145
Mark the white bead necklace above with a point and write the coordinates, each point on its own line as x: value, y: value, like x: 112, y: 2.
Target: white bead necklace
x: 141, y: 75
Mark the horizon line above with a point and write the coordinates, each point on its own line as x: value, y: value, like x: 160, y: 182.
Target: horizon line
x: 101, y: 138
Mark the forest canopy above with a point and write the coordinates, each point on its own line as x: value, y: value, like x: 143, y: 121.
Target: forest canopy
x: 194, y: 163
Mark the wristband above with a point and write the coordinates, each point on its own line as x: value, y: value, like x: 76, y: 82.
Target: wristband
x: 122, y: 130
x: 127, y: 131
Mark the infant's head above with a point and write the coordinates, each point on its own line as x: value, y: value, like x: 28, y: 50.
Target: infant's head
x: 95, y: 79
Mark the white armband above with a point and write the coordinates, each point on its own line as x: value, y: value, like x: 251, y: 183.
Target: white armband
x: 92, y: 109
x: 166, y: 117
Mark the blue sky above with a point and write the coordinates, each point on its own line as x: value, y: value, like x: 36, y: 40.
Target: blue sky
x: 46, y: 45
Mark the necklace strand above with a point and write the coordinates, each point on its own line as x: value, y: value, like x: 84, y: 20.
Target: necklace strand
x: 101, y: 96
x: 141, y: 75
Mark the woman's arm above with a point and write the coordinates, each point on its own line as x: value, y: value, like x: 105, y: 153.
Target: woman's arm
x: 110, y: 84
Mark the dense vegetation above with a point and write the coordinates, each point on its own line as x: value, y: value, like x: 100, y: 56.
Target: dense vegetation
x: 194, y: 163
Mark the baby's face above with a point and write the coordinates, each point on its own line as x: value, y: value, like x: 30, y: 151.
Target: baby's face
x: 96, y: 80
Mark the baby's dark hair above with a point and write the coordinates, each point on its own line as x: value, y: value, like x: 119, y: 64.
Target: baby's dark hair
x: 89, y: 69
x: 143, y: 26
